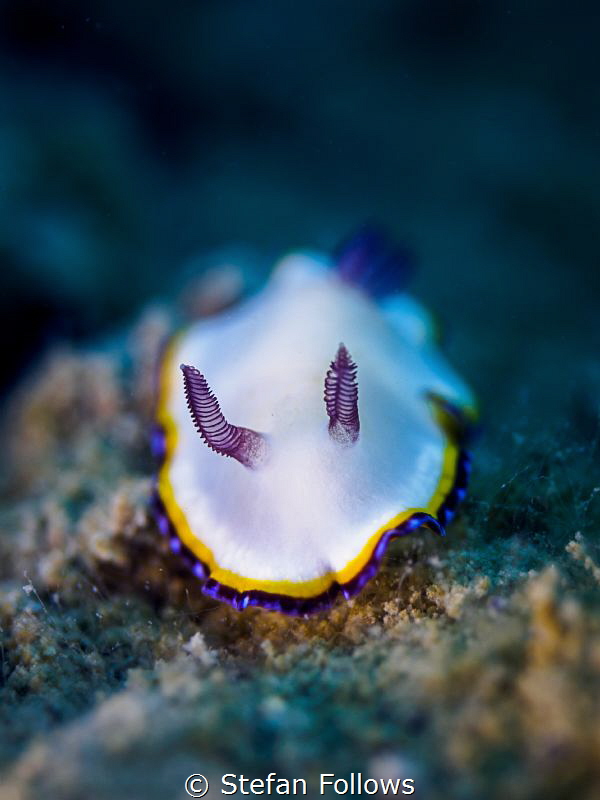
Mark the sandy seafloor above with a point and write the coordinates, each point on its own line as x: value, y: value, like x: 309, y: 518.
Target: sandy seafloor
x: 470, y: 664
x: 137, y: 143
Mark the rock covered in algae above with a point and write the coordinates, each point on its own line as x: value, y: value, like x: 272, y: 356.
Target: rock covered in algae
x: 470, y: 664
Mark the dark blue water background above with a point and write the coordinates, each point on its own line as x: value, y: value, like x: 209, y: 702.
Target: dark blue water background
x: 134, y: 138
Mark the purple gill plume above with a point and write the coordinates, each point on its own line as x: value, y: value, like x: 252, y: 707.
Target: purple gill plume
x: 245, y: 445
x: 341, y: 398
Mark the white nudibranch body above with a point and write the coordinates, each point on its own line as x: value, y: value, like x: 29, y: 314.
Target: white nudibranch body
x: 312, y: 492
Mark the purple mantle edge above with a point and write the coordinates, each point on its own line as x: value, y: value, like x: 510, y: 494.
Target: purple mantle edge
x: 302, y: 606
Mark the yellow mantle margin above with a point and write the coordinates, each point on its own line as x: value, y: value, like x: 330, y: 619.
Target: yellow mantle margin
x: 303, y: 589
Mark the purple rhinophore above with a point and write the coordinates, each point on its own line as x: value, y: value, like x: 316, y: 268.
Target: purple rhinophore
x: 341, y: 397
x: 246, y: 446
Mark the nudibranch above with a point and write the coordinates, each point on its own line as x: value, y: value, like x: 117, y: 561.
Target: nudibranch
x: 307, y: 427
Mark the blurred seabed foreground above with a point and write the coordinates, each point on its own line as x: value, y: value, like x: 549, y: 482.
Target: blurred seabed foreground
x: 470, y: 664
